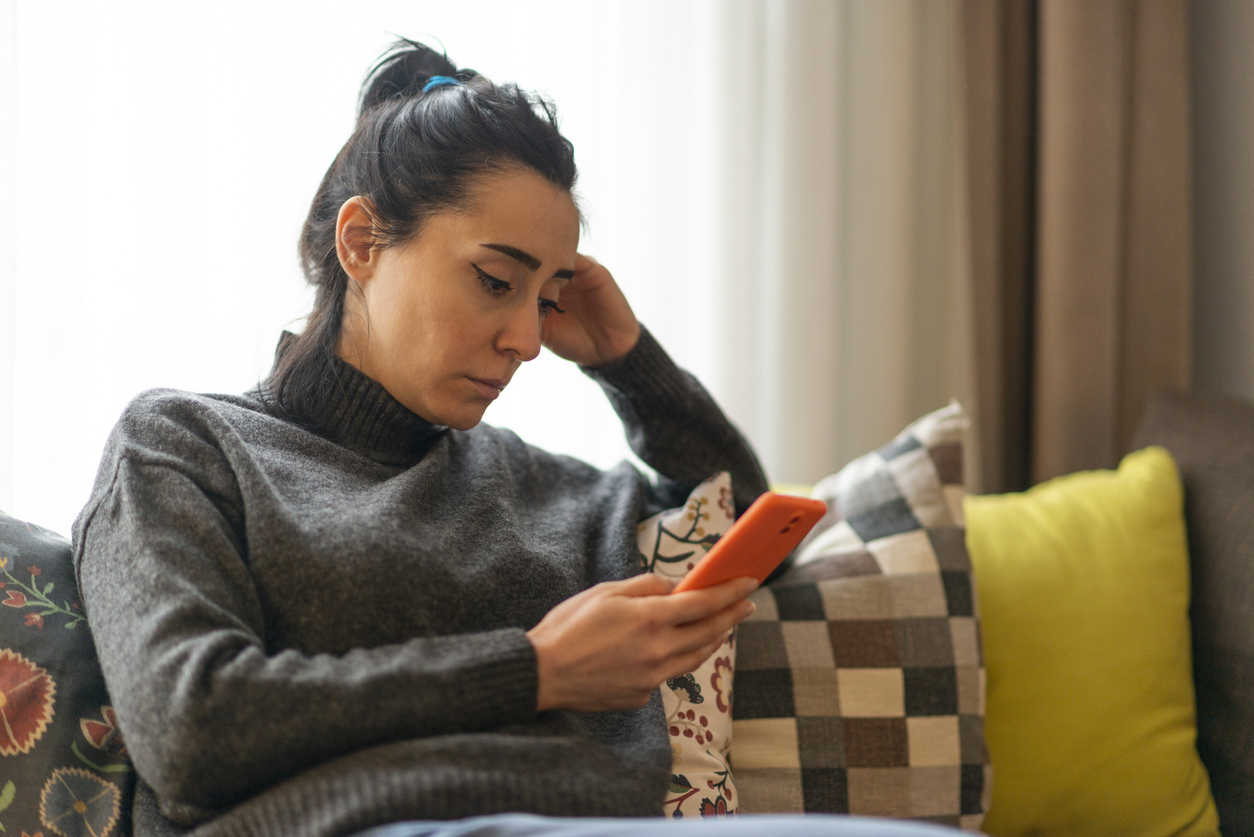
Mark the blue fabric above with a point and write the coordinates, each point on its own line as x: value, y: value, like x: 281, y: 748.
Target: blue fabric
x: 529, y: 825
x: 439, y: 81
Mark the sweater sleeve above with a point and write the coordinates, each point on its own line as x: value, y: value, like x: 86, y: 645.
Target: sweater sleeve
x: 210, y: 714
x: 674, y: 425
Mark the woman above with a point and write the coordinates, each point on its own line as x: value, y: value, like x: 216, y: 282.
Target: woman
x: 340, y: 600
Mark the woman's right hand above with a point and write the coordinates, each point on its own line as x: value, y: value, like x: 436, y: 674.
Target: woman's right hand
x: 610, y: 646
x: 596, y: 326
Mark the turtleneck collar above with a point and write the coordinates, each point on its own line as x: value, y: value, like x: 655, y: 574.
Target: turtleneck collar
x: 361, y: 415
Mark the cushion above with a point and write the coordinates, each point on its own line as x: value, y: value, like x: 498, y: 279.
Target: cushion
x: 1084, y: 590
x: 859, y: 686
x: 698, y: 704
x: 59, y: 744
x: 1211, y: 439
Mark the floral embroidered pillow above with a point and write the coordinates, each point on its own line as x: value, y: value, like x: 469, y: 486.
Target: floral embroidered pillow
x: 63, y: 765
x: 698, y: 704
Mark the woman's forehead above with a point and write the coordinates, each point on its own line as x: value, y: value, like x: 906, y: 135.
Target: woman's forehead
x: 517, y: 208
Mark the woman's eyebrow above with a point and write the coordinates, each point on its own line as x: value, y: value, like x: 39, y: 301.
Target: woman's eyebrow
x: 526, y: 259
x: 530, y: 261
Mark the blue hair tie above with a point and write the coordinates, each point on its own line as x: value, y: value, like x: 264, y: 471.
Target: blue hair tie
x: 439, y: 81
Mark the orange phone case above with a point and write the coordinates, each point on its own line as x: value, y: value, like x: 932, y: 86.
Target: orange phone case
x: 757, y: 542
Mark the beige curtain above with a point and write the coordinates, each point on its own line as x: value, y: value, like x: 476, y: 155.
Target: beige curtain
x: 1078, y: 141
x: 1000, y: 51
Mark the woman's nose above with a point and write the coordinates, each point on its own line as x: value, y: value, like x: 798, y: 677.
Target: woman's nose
x: 521, y: 334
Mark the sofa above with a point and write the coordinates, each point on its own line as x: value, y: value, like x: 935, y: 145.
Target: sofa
x: 1114, y: 608
x: 1212, y: 441
x: 64, y: 767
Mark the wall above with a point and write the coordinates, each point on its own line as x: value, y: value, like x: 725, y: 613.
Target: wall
x: 1223, y: 194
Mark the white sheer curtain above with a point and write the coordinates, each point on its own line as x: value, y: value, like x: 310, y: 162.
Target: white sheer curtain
x: 842, y: 240
x: 775, y: 184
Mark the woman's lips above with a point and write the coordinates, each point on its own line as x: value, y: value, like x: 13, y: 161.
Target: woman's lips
x: 489, y: 388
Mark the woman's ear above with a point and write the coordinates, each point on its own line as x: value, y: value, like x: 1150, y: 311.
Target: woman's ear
x: 354, y: 239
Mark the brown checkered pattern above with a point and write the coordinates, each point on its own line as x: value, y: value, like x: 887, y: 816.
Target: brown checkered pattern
x: 859, y: 682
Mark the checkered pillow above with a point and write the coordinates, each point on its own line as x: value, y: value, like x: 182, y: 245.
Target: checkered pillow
x: 859, y: 679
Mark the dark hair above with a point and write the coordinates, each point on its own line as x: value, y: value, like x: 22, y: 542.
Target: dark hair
x: 413, y: 154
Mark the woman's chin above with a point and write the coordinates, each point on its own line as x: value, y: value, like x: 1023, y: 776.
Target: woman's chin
x: 465, y: 417
x: 458, y: 413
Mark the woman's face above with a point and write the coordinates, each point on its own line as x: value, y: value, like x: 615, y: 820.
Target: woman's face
x: 449, y: 315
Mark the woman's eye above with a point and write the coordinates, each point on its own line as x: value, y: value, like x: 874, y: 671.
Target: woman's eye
x: 494, y: 286
x: 547, y: 305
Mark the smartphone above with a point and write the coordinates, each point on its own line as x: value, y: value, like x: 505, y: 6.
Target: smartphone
x: 758, y: 542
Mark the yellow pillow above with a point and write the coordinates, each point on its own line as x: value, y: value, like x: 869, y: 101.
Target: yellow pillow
x: 1084, y: 594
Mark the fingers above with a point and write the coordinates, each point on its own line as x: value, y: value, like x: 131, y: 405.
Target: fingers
x: 695, y: 635
x: 609, y: 646
x: 598, y: 326
x: 588, y: 273
x: 681, y: 609
x: 584, y: 262
x: 693, y: 659
x: 698, y: 604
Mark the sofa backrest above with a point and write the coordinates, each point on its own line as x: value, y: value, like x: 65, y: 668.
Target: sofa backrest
x: 1212, y: 440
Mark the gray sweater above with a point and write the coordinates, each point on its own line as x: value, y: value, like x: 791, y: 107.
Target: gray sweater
x: 309, y: 633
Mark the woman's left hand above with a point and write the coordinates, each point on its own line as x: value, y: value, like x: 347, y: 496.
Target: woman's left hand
x: 597, y: 326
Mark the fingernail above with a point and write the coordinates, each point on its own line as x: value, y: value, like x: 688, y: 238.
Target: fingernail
x: 752, y: 608
x: 751, y: 586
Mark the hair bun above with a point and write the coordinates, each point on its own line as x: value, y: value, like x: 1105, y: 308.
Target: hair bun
x: 403, y: 70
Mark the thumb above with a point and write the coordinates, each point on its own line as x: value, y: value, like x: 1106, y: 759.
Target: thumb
x: 645, y: 584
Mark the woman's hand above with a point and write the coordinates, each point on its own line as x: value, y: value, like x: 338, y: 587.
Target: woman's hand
x: 611, y: 645
x: 597, y: 326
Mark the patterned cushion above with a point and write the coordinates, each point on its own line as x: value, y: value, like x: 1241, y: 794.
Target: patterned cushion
x: 860, y: 682
x: 63, y: 767
x: 698, y: 704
